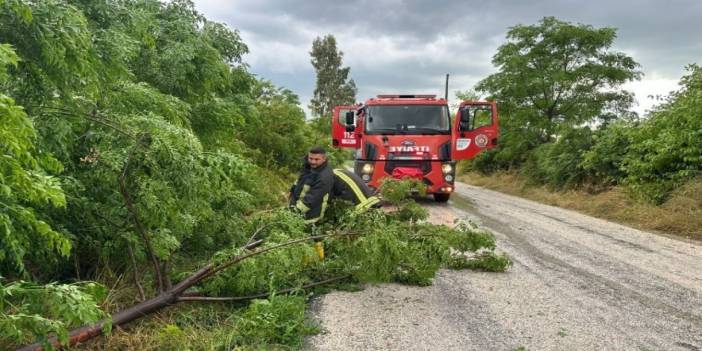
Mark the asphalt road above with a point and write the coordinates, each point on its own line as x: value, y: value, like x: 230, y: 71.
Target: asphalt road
x: 578, y: 283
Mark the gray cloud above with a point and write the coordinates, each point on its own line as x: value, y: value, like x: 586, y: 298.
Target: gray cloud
x: 408, y: 46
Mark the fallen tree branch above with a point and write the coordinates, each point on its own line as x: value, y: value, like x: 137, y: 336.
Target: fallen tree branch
x: 256, y: 232
x: 169, y: 297
x: 235, y: 260
x: 194, y: 298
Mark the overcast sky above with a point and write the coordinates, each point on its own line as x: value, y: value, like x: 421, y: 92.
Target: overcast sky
x: 396, y: 46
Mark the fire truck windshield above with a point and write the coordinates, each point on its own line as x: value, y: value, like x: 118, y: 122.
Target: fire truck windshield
x: 407, y: 119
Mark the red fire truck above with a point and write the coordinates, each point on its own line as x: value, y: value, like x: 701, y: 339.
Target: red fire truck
x: 413, y: 136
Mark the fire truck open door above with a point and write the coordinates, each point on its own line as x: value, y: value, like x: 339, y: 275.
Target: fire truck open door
x: 342, y: 136
x: 475, y: 128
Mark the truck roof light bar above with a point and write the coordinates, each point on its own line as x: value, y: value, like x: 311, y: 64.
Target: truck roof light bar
x: 416, y: 96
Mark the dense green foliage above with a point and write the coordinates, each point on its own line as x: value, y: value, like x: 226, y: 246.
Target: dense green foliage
x: 26, y: 186
x: 368, y: 247
x: 651, y: 157
x: 565, y: 122
x: 134, y: 143
x: 559, y: 164
x: 553, y: 76
x: 408, y: 252
x: 29, y: 311
x: 277, y: 323
x: 132, y: 139
x: 666, y: 148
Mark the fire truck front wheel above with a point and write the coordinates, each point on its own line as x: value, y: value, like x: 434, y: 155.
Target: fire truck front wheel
x: 441, y: 197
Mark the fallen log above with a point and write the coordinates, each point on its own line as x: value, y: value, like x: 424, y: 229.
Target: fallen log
x: 175, y: 295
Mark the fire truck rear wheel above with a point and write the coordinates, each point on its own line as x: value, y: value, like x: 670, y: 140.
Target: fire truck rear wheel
x: 438, y: 197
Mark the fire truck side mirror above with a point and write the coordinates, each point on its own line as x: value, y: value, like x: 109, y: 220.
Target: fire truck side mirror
x: 349, y: 118
x: 464, y: 123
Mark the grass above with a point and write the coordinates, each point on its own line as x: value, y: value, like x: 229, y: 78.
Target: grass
x: 680, y: 216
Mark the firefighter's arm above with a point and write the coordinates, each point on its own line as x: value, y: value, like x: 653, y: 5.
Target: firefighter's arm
x: 319, y: 187
x: 300, y: 204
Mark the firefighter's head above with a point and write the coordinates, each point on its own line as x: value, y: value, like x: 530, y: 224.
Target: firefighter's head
x: 316, y: 156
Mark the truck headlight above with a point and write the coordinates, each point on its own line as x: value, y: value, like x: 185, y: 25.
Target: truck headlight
x: 446, y: 168
x: 367, y: 168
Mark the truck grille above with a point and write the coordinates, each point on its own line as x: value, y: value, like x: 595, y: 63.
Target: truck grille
x: 390, y: 165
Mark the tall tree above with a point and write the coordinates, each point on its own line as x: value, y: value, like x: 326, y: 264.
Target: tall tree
x: 555, y: 75
x: 26, y: 187
x: 333, y: 85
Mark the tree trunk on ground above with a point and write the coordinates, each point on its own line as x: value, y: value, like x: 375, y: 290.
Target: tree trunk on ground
x: 175, y: 295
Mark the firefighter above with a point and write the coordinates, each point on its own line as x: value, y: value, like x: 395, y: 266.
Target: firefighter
x: 310, y: 194
x: 350, y: 187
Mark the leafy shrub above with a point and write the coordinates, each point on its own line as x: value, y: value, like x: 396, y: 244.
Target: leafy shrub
x: 29, y: 311
x: 604, y: 161
x: 558, y: 164
x: 484, y: 162
x: 26, y: 188
x: 666, y: 149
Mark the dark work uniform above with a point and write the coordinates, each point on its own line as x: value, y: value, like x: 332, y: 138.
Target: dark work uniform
x: 310, y: 194
x: 350, y: 187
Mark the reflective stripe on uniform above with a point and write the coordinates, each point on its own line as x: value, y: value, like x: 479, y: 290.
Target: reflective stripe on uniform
x: 321, y: 214
x: 359, y: 194
x: 305, y: 189
x: 301, y: 205
x: 364, y: 203
x: 325, y: 201
x: 368, y: 203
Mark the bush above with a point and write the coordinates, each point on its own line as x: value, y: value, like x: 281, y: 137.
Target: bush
x: 29, y: 311
x: 605, y: 160
x: 666, y: 149
x: 485, y: 162
x: 558, y: 164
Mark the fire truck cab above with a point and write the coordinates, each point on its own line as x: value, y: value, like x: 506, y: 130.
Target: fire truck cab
x: 414, y: 136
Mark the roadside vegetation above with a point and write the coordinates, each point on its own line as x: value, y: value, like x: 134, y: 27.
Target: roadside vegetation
x: 680, y: 215
x: 143, y: 169
x: 142, y: 166
x: 568, y: 136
